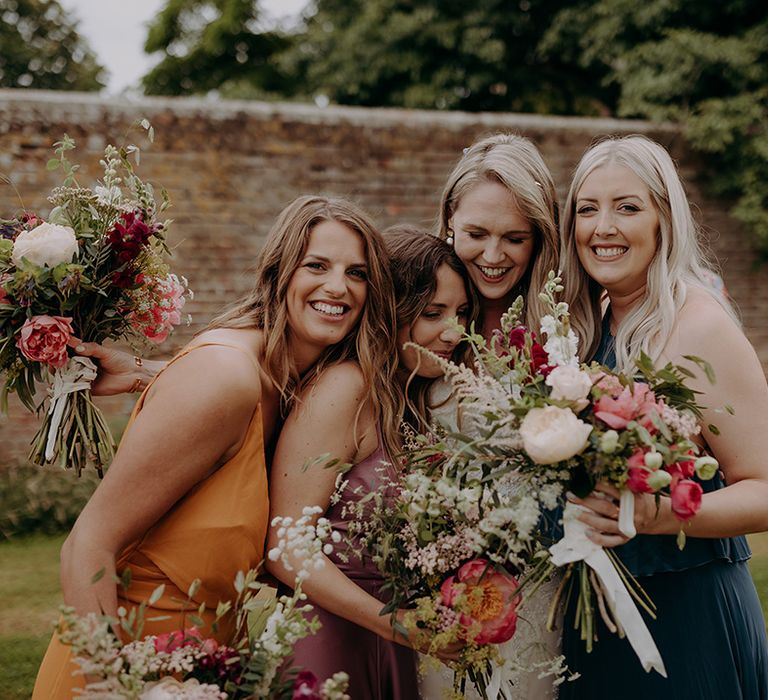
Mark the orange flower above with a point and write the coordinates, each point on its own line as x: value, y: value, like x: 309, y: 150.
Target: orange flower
x: 485, y: 599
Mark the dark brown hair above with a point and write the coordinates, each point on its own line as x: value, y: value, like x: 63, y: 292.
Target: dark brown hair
x: 415, y: 257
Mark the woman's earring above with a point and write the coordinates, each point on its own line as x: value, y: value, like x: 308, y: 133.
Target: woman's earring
x: 449, y: 237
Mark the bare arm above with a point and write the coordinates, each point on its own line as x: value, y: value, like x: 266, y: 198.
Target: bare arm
x: 741, y: 445
x: 194, y: 418
x: 324, y: 422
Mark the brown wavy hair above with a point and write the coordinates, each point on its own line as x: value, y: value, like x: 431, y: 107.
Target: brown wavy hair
x: 371, y: 344
x: 415, y: 257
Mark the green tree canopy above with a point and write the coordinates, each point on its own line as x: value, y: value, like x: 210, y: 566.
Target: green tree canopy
x: 435, y: 54
x: 702, y: 64
x: 214, y: 44
x: 41, y: 48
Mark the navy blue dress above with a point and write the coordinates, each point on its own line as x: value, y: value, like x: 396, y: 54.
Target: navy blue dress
x: 709, y: 627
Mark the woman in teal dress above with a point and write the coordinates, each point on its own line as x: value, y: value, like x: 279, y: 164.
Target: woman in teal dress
x: 629, y: 239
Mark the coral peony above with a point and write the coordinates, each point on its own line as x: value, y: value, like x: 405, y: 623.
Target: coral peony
x: 485, y: 599
x: 44, y: 339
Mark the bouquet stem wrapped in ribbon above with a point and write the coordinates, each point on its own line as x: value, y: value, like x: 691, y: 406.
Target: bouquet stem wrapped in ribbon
x: 94, y: 270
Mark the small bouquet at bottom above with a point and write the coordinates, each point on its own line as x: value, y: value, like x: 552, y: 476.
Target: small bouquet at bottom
x: 183, y: 663
x: 577, y: 425
x: 94, y: 268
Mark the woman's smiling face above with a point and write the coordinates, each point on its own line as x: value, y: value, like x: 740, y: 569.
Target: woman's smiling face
x: 327, y: 293
x: 493, y: 238
x: 434, y: 329
x: 616, y: 228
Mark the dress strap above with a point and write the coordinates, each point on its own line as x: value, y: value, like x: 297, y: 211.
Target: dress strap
x: 188, y: 349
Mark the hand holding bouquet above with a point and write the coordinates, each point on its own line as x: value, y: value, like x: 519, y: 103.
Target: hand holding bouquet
x: 578, y: 425
x: 95, y: 270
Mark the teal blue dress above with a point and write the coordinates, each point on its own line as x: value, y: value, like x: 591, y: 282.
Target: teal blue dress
x: 709, y: 628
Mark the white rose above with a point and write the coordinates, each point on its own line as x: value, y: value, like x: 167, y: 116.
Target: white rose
x: 570, y: 384
x: 552, y: 434
x: 46, y: 244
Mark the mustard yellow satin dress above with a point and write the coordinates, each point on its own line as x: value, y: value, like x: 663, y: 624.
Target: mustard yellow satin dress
x: 217, y: 529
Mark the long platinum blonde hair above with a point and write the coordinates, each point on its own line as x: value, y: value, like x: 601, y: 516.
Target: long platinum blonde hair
x: 516, y: 163
x: 679, y: 264
x: 372, y: 342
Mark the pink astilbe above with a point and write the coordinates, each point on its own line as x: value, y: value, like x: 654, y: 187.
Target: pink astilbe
x: 159, y: 304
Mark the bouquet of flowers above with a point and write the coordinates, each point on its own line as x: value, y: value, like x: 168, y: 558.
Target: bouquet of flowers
x: 185, y: 664
x: 457, y: 535
x: 93, y: 268
x: 564, y: 426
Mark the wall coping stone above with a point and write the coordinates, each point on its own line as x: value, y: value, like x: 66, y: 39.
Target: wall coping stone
x: 58, y: 105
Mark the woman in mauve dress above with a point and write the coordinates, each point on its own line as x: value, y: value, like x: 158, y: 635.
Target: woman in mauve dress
x: 335, y: 418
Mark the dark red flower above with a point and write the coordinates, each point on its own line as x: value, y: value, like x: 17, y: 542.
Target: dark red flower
x: 306, y: 687
x: 129, y: 235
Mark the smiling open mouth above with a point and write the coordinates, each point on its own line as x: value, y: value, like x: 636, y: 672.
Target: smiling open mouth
x: 329, y: 309
x: 493, y: 272
x: 613, y: 252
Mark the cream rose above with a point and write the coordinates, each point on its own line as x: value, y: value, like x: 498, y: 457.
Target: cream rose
x: 46, y: 244
x: 552, y: 434
x: 570, y: 384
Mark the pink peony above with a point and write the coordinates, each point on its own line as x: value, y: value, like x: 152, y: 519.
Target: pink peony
x: 170, y: 641
x: 631, y: 404
x: 44, y: 339
x: 686, y: 499
x: 486, y: 598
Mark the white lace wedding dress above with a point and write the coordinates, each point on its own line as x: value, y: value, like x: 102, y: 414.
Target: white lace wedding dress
x: 532, y: 648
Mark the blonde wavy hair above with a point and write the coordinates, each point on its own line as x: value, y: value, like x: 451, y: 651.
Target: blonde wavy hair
x: 679, y: 264
x: 371, y: 344
x: 516, y: 163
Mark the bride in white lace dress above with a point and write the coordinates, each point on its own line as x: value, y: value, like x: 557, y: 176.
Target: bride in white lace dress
x: 499, y: 211
x: 531, y: 651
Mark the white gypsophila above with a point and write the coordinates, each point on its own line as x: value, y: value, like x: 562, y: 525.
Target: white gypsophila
x: 561, y: 346
x: 549, y: 495
x: 304, y: 541
x: 45, y: 245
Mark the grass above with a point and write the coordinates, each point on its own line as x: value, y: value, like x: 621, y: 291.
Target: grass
x: 29, y: 589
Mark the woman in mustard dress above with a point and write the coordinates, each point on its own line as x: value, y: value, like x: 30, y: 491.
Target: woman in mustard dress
x: 186, y: 497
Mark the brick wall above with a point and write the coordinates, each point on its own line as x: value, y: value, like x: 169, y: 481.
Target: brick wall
x: 231, y: 166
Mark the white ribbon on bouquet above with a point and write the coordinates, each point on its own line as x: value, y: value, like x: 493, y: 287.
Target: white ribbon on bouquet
x: 77, y: 375
x: 576, y: 546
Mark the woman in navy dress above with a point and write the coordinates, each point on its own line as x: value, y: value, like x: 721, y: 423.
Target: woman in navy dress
x: 629, y: 239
